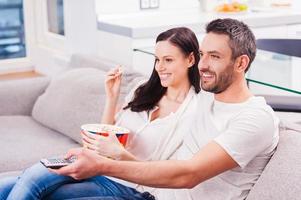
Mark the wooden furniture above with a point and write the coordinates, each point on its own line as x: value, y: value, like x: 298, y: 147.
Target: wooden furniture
x: 19, y: 75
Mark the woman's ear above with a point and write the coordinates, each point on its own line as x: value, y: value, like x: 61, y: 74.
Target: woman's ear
x: 191, y: 59
x: 242, y: 63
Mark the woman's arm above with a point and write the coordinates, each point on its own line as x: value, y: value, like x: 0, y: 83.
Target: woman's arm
x: 112, y: 88
x: 110, y: 109
x: 109, y: 146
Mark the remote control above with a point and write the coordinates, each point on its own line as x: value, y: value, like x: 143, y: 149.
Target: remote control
x: 56, y: 163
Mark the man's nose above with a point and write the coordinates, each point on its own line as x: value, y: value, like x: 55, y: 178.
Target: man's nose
x: 203, y: 63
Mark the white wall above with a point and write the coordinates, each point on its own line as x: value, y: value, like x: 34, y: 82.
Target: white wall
x: 51, y: 51
x: 129, y: 6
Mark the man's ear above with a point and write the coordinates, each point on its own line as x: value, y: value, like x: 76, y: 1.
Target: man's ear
x: 242, y: 63
x: 191, y: 59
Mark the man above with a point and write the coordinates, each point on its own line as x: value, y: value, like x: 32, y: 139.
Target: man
x: 235, y: 133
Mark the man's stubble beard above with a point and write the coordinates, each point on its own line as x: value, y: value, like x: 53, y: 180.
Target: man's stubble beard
x: 222, y: 81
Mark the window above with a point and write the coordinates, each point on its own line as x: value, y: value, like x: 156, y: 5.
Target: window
x: 55, y: 10
x: 12, y: 42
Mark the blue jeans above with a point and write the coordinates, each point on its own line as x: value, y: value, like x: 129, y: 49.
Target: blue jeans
x: 37, y: 182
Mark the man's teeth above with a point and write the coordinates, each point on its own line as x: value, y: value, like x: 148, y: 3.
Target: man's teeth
x: 207, y: 75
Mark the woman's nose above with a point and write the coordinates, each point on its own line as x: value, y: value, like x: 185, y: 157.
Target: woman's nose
x: 159, y: 66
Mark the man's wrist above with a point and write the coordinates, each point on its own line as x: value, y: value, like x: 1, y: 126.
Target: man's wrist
x: 105, y: 166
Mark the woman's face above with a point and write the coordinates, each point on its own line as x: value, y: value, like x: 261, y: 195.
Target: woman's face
x: 171, y: 64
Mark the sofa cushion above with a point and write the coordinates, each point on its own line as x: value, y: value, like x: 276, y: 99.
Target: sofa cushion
x: 17, y: 97
x: 281, y: 177
x: 130, y: 80
x: 73, y: 98
x: 24, y: 142
x: 289, y: 118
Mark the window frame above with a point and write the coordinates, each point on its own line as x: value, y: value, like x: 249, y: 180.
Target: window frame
x: 22, y: 63
x: 44, y: 36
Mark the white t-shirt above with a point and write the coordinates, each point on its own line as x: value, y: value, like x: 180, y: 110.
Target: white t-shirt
x: 151, y: 140
x: 249, y: 134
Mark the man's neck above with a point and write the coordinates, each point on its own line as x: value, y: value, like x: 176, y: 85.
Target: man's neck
x: 237, y: 92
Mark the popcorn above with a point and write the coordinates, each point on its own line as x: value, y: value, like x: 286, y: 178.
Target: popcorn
x: 106, y: 129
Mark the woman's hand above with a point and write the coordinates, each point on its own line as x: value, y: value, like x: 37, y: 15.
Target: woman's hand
x: 105, y: 145
x: 112, y: 82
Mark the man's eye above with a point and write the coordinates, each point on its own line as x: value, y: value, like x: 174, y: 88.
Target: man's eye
x: 201, y: 54
x: 168, y: 60
x: 215, y: 56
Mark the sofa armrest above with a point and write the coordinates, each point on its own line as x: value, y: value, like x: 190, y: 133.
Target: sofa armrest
x: 17, y: 97
x: 281, y: 177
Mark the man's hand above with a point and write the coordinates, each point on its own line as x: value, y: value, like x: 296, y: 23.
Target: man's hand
x: 86, y: 165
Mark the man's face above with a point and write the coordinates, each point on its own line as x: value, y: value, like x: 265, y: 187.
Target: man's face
x: 216, y: 65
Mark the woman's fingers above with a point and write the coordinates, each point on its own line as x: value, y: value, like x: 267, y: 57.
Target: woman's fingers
x: 90, y: 146
x: 89, y: 135
x: 115, y: 72
x: 87, y: 140
x: 90, y: 143
x: 92, y: 138
x: 112, y: 78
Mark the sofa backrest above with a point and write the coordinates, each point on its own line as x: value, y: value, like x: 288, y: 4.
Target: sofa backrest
x: 83, y: 61
x: 17, y: 97
x: 130, y: 77
x: 77, y: 96
x: 281, y: 179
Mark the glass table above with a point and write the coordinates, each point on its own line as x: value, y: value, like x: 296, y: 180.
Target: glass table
x: 275, y: 76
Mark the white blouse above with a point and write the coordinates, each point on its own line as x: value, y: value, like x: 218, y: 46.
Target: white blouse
x: 158, y: 139
x: 147, y: 136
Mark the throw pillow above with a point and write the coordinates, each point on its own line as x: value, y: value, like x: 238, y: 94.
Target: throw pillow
x: 73, y: 98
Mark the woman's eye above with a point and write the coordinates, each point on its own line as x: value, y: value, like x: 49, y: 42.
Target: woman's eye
x: 168, y: 59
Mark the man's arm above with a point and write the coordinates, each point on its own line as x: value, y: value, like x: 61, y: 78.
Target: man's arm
x: 210, y: 161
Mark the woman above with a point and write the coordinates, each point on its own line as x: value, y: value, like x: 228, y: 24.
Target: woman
x: 152, y: 113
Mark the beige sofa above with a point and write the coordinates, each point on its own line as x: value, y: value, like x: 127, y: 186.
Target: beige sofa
x: 41, y: 117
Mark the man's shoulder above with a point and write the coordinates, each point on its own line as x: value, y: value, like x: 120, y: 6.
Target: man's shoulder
x: 258, y: 105
x: 256, y: 110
